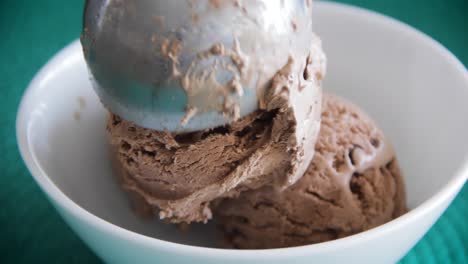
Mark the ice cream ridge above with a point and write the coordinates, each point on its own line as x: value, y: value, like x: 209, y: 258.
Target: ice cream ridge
x: 177, y: 176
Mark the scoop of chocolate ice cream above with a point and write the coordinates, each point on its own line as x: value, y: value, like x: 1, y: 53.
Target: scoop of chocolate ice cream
x: 176, y: 176
x: 352, y: 184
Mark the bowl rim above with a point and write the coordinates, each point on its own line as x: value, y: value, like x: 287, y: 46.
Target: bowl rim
x: 53, y: 192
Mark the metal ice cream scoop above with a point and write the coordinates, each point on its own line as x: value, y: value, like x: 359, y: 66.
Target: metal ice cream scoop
x: 187, y: 65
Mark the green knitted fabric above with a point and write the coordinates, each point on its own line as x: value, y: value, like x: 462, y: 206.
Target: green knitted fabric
x: 32, y: 31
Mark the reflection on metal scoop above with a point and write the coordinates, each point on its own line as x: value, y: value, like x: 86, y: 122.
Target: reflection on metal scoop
x: 182, y: 66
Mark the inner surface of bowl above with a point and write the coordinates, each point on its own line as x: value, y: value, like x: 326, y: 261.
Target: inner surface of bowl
x: 398, y: 76
x: 69, y: 141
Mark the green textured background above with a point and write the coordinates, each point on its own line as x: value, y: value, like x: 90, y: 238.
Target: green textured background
x: 32, y: 31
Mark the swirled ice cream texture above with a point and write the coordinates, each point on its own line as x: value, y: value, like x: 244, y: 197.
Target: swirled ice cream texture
x: 177, y: 176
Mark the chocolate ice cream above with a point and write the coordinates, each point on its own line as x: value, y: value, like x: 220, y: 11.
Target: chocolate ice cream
x: 177, y: 176
x: 353, y: 184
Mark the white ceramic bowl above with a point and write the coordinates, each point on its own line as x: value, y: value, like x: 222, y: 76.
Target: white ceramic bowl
x: 415, y: 89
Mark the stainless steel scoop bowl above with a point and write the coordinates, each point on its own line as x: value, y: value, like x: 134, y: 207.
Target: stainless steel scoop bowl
x: 139, y: 51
